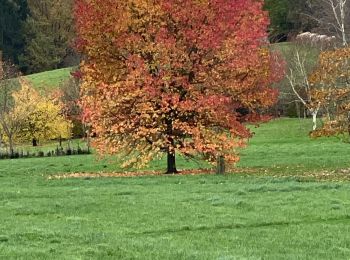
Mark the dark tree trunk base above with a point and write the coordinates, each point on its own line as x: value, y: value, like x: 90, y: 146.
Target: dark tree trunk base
x: 174, y: 172
x: 171, y: 162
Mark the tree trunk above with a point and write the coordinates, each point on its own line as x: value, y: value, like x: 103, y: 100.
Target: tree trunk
x: 297, y: 107
x: 314, y: 120
x: 34, y: 142
x: 87, y: 134
x: 11, y: 145
x: 220, y: 168
x: 171, y: 162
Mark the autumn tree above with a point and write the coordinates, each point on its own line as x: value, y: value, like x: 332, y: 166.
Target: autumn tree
x: 43, y: 119
x: 332, y: 78
x: 170, y: 76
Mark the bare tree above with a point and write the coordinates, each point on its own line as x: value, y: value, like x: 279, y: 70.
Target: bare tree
x: 304, y: 55
x: 333, y: 16
x: 10, y: 121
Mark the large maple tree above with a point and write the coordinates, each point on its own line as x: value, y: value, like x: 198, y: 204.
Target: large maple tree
x: 173, y: 76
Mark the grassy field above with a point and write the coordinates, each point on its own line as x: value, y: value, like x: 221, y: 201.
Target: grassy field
x: 265, y: 212
x: 285, y: 143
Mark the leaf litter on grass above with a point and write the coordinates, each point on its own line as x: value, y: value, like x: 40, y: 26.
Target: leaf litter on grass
x: 143, y: 173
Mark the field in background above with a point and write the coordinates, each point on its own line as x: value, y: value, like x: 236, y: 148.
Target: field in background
x: 250, y: 215
x: 285, y: 143
x: 49, y: 79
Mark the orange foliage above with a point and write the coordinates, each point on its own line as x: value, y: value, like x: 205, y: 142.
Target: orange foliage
x: 332, y: 78
x: 168, y: 75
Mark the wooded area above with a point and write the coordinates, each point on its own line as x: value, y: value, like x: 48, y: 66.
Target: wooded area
x: 37, y: 35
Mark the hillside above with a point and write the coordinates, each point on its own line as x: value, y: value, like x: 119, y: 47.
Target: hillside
x: 49, y: 79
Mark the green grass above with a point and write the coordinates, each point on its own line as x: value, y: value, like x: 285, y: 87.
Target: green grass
x: 236, y: 216
x: 288, y: 50
x: 49, y: 79
x: 285, y: 143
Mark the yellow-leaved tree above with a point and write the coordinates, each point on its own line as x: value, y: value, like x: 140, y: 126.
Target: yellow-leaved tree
x: 43, y: 118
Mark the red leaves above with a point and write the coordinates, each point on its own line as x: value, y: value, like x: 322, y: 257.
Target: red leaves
x: 169, y: 74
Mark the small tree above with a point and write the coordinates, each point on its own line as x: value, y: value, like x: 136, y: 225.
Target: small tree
x: 43, y: 118
x: 69, y: 97
x: 304, y: 60
x: 332, y: 78
x: 10, y: 121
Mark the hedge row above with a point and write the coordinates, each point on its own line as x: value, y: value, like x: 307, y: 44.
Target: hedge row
x: 59, y: 151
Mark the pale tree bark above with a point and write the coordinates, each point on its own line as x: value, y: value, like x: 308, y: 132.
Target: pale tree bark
x: 314, y: 118
x: 301, y: 87
x: 333, y: 18
x: 338, y: 8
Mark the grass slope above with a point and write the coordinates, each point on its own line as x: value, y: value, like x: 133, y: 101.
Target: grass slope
x: 181, y: 217
x: 49, y: 79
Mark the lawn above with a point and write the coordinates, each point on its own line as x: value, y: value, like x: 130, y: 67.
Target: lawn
x: 269, y: 212
x: 285, y: 143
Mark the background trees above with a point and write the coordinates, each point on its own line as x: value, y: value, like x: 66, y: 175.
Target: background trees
x: 173, y: 76
x: 48, y: 33
x: 37, y: 35
x: 42, y: 116
x: 13, y: 13
x: 332, y: 17
x: 289, y: 18
x: 26, y: 115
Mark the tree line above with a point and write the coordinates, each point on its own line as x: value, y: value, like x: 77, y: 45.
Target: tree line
x: 37, y: 35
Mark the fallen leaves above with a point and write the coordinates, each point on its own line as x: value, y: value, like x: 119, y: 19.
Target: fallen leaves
x: 336, y: 175
x: 144, y: 173
x: 127, y: 174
